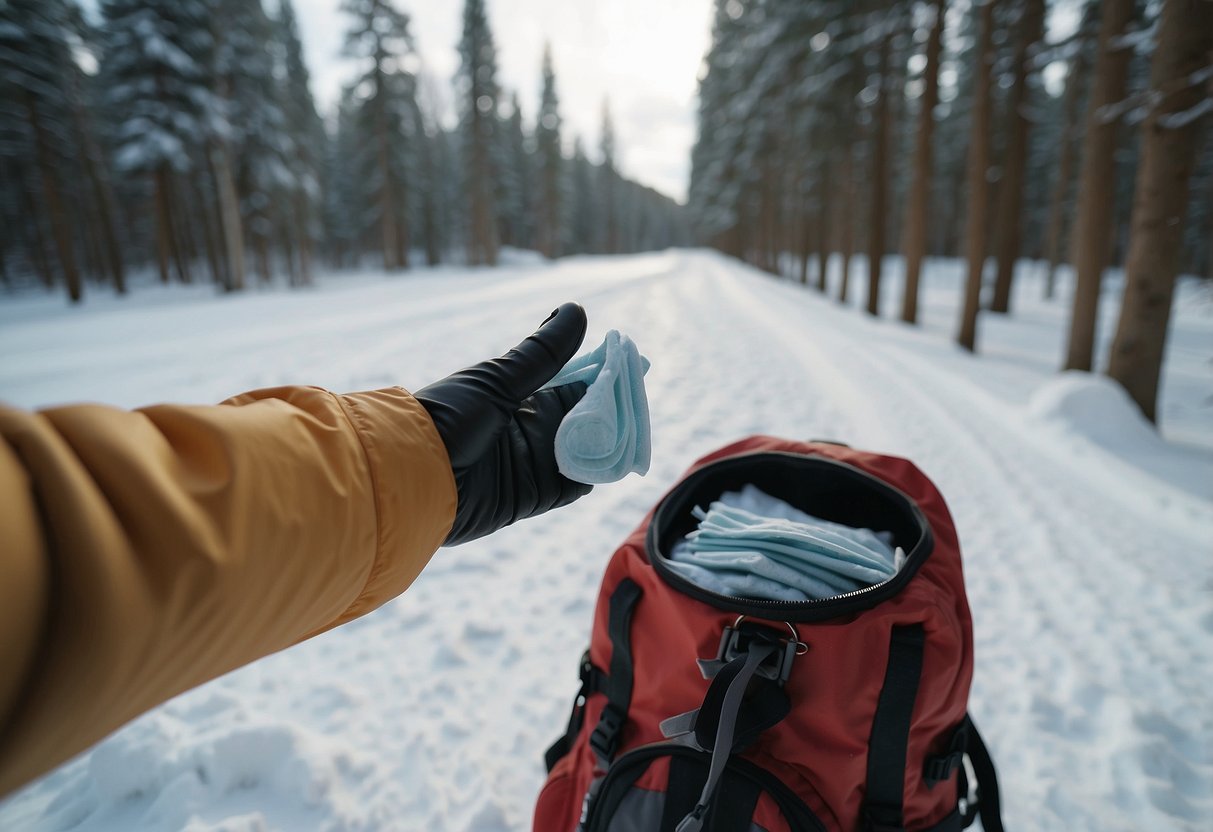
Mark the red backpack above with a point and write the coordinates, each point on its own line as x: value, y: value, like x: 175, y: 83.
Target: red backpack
x: 700, y: 711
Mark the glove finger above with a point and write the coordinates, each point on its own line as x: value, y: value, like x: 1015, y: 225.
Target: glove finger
x: 536, y: 422
x: 534, y: 362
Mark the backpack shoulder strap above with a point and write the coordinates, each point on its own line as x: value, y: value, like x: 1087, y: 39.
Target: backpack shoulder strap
x: 604, y: 740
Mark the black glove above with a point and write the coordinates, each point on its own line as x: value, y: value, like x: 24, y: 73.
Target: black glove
x: 499, y: 429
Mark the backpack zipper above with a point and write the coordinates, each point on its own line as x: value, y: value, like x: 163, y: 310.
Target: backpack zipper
x: 817, y: 609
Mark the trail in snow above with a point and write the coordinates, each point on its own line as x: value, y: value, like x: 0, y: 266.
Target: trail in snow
x: 1089, y: 579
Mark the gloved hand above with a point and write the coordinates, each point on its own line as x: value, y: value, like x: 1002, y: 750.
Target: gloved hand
x: 499, y: 428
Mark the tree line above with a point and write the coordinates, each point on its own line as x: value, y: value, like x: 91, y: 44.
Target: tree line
x: 830, y: 128
x: 183, y: 135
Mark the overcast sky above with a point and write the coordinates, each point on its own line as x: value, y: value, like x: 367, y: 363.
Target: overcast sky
x: 643, y: 54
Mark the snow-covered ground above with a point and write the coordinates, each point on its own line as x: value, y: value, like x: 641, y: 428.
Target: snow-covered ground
x: 1088, y: 539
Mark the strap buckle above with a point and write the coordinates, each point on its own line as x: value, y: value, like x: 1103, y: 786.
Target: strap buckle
x: 940, y: 767
x: 736, y: 640
x: 604, y: 740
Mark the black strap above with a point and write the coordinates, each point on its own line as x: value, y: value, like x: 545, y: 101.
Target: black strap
x: 733, y: 806
x: 618, y: 686
x: 989, y: 802
x: 592, y: 681
x: 882, y: 803
x: 682, y: 789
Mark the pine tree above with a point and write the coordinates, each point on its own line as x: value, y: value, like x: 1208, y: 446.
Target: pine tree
x: 156, y: 60
x: 478, y: 125
x: 257, y: 125
x: 978, y: 182
x: 608, y: 178
x: 308, y: 140
x: 379, y: 37
x: 515, y: 200
x: 35, y: 71
x: 1029, y: 31
x: 1093, y: 225
x: 1178, y: 97
x: 1063, y: 177
x: 882, y: 127
x: 918, y: 206
x: 550, y: 161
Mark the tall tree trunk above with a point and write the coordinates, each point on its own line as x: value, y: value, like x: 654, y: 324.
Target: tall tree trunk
x: 27, y: 221
x: 402, y: 232
x: 914, y: 241
x: 229, y: 216
x: 823, y: 225
x: 846, y: 242
x: 979, y: 185
x: 877, y: 220
x: 1160, y: 201
x: 163, y: 236
x: 805, y: 224
x: 289, y: 249
x: 1010, y: 197
x: 261, y: 252
x: 303, y: 237
x: 387, y: 199
x: 186, y: 251
x: 37, y: 243
x: 202, y: 211
x: 1096, y: 183
x: 1065, y: 171
x: 103, y: 194
x: 56, y: 213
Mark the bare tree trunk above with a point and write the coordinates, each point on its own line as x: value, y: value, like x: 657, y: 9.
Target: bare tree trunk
x: 1096, y: 184
x: 979, y: 185
x: 229, y: 216
x: 880, y: 180
x: 846, y: 243
x: 186, y: 251
x: 914, y: 242
x: 1010, y: 197
x: 823, y: 225
x: 56, y: 214
x: 387, y: 199
x: 163, y: 237
x: 304, y: 239
x: 804, y: 224
x: 103, y: 194
x: 1160, y: 201
x: 1065, y: 171
x: 210, y: 246
x: 261, y: 252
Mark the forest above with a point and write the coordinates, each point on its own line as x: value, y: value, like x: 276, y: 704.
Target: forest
x: 928, y: 128
x: 182, y: 138
x: 183, y: 135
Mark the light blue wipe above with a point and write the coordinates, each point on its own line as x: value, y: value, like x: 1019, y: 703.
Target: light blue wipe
x: 751, y: 545
x: 607, y: 434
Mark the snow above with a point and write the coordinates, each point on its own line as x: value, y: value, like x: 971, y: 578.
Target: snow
x: 1086, y: 536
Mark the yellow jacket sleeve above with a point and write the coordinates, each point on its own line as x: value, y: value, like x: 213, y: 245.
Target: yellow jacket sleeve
x: 143, y: 553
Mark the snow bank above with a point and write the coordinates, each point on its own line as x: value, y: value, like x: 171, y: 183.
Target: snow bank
x: 1095, y: 407
x: 1087, y: 409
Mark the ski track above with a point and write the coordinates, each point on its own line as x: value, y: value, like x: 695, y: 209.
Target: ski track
x: 1092, y: 619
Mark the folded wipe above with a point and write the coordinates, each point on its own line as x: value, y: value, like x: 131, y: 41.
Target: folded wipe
x: 606, y: 435
x: 751, y: 545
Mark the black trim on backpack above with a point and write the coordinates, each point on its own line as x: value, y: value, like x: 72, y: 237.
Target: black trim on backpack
x: 821, y: 486
x: 604, y: 740
x: 630, y: 766
x: 989, y: 802
x: 882, y: 802
x: 592, y: 681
